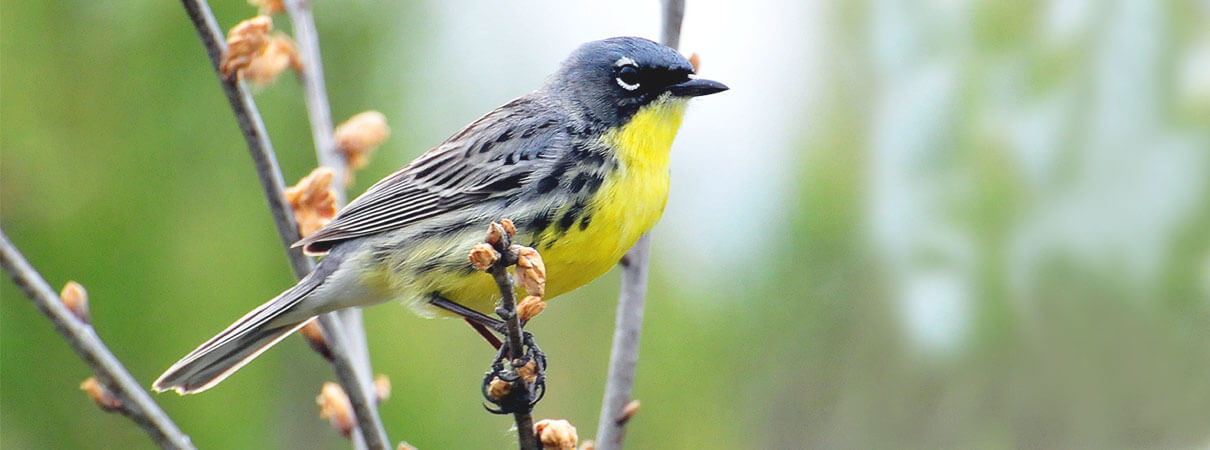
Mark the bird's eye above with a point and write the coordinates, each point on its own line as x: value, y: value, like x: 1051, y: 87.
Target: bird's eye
x: 628, y: 77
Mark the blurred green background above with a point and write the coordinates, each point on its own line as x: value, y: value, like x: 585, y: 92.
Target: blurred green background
x: 977, y: 224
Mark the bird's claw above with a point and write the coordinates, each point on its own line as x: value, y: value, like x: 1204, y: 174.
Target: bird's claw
x: 513, y: 400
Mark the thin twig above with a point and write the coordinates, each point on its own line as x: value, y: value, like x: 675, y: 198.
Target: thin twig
x: 674, y: 15
x: 624, y: 356
x: 508, y: 312
x: 272, y: 183
x: 320, y: 114
x: 318, y: 109
x: 136, y: 403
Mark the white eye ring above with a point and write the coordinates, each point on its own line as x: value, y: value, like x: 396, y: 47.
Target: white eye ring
x: 622, y: 63
x: 625, y: 85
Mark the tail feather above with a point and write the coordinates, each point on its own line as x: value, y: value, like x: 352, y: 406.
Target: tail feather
x: 239, y: 344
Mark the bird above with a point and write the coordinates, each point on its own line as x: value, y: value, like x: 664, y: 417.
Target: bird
x: 579, y: 165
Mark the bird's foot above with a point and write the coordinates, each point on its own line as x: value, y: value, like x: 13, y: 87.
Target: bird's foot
x: 500, y: 385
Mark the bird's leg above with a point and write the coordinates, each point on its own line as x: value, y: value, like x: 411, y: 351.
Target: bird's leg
x: 482, y: 323
x: 485, y: 325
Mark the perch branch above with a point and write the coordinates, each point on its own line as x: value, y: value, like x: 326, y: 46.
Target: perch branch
x: 320, y: 113
x: 624, y: 356
x: 512, y: 321
x: 269, y: 173
x: 135, y: 402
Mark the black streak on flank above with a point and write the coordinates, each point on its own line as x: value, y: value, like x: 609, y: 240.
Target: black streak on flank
x: 594, y: 183
x: 578, y: 182
x: 570, y: 217
x: 485, y: 147
x: 542, y: 220
x: 585, y: 221
x: 506, y: 135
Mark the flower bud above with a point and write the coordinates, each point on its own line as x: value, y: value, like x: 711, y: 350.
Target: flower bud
x: 277, y: 55
x: 334, y: 405
x: 498, y: 389
x: 628, y: 412
x: 357, y: 137
x: 313, y: 201
x: 244, y: 42
x: 531, y: 271
x: 268, y: 7
x: 530, y: 307
x: 556, y: 434
x: 76, y: 299
x: 382, y: 388
x: 483, y: 256
x: 100, y: 394
x: 509, y: 227
x: 315, y: 338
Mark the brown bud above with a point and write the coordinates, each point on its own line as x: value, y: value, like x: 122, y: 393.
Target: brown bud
x: 556, y: 434
x: 495, y: 232
x: 245, y: 41
x: 696, y: 62
x: 278, y: 54
x: 315, y: 338
x: 268, y: 7
x: 382, y: 388
x: 76, y: 299
x: 483, y: 256
x: 529, y: 372
x: 357, y: 137
x: 531, y: 271
x: 509, y: 227
x: 313, y: 201
x: 406, y: 446
x: 628, y: 412
x: 530, y: 307
x: 334, y: 405
x: 498, y: 389
x: 100, y: 394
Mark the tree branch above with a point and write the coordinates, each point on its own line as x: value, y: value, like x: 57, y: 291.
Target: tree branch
x: 320, y: 114
x: 318, y: 109
x: 269, y: 173
x: 512, y: 321
x: 674, y: 15
x: 135, y: 402
x: 624, y: 356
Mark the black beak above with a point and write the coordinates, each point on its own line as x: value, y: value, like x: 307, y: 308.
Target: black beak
x: 697, y: 87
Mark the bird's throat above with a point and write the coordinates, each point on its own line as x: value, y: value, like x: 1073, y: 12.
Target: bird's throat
x: 643, y: 143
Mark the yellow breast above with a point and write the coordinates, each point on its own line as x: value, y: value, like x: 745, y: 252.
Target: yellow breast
x: 628, y: 204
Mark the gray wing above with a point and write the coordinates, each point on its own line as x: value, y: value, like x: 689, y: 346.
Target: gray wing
x: 502, y: 154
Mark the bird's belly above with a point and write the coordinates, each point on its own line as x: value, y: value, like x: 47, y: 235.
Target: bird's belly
x: 626, y: 207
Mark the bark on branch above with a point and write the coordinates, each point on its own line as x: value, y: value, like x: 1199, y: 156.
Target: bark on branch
x: 624, y: 356
x: 134, y: 402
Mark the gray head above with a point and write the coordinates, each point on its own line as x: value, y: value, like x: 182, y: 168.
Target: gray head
x: 607, y: 81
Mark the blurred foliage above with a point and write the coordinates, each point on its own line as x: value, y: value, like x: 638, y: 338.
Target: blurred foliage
x: 1058, y: 218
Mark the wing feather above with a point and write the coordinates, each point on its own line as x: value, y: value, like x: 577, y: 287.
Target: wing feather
x: 499, y: 155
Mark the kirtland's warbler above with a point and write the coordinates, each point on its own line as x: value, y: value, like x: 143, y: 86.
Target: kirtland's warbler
x: 580, y: 166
